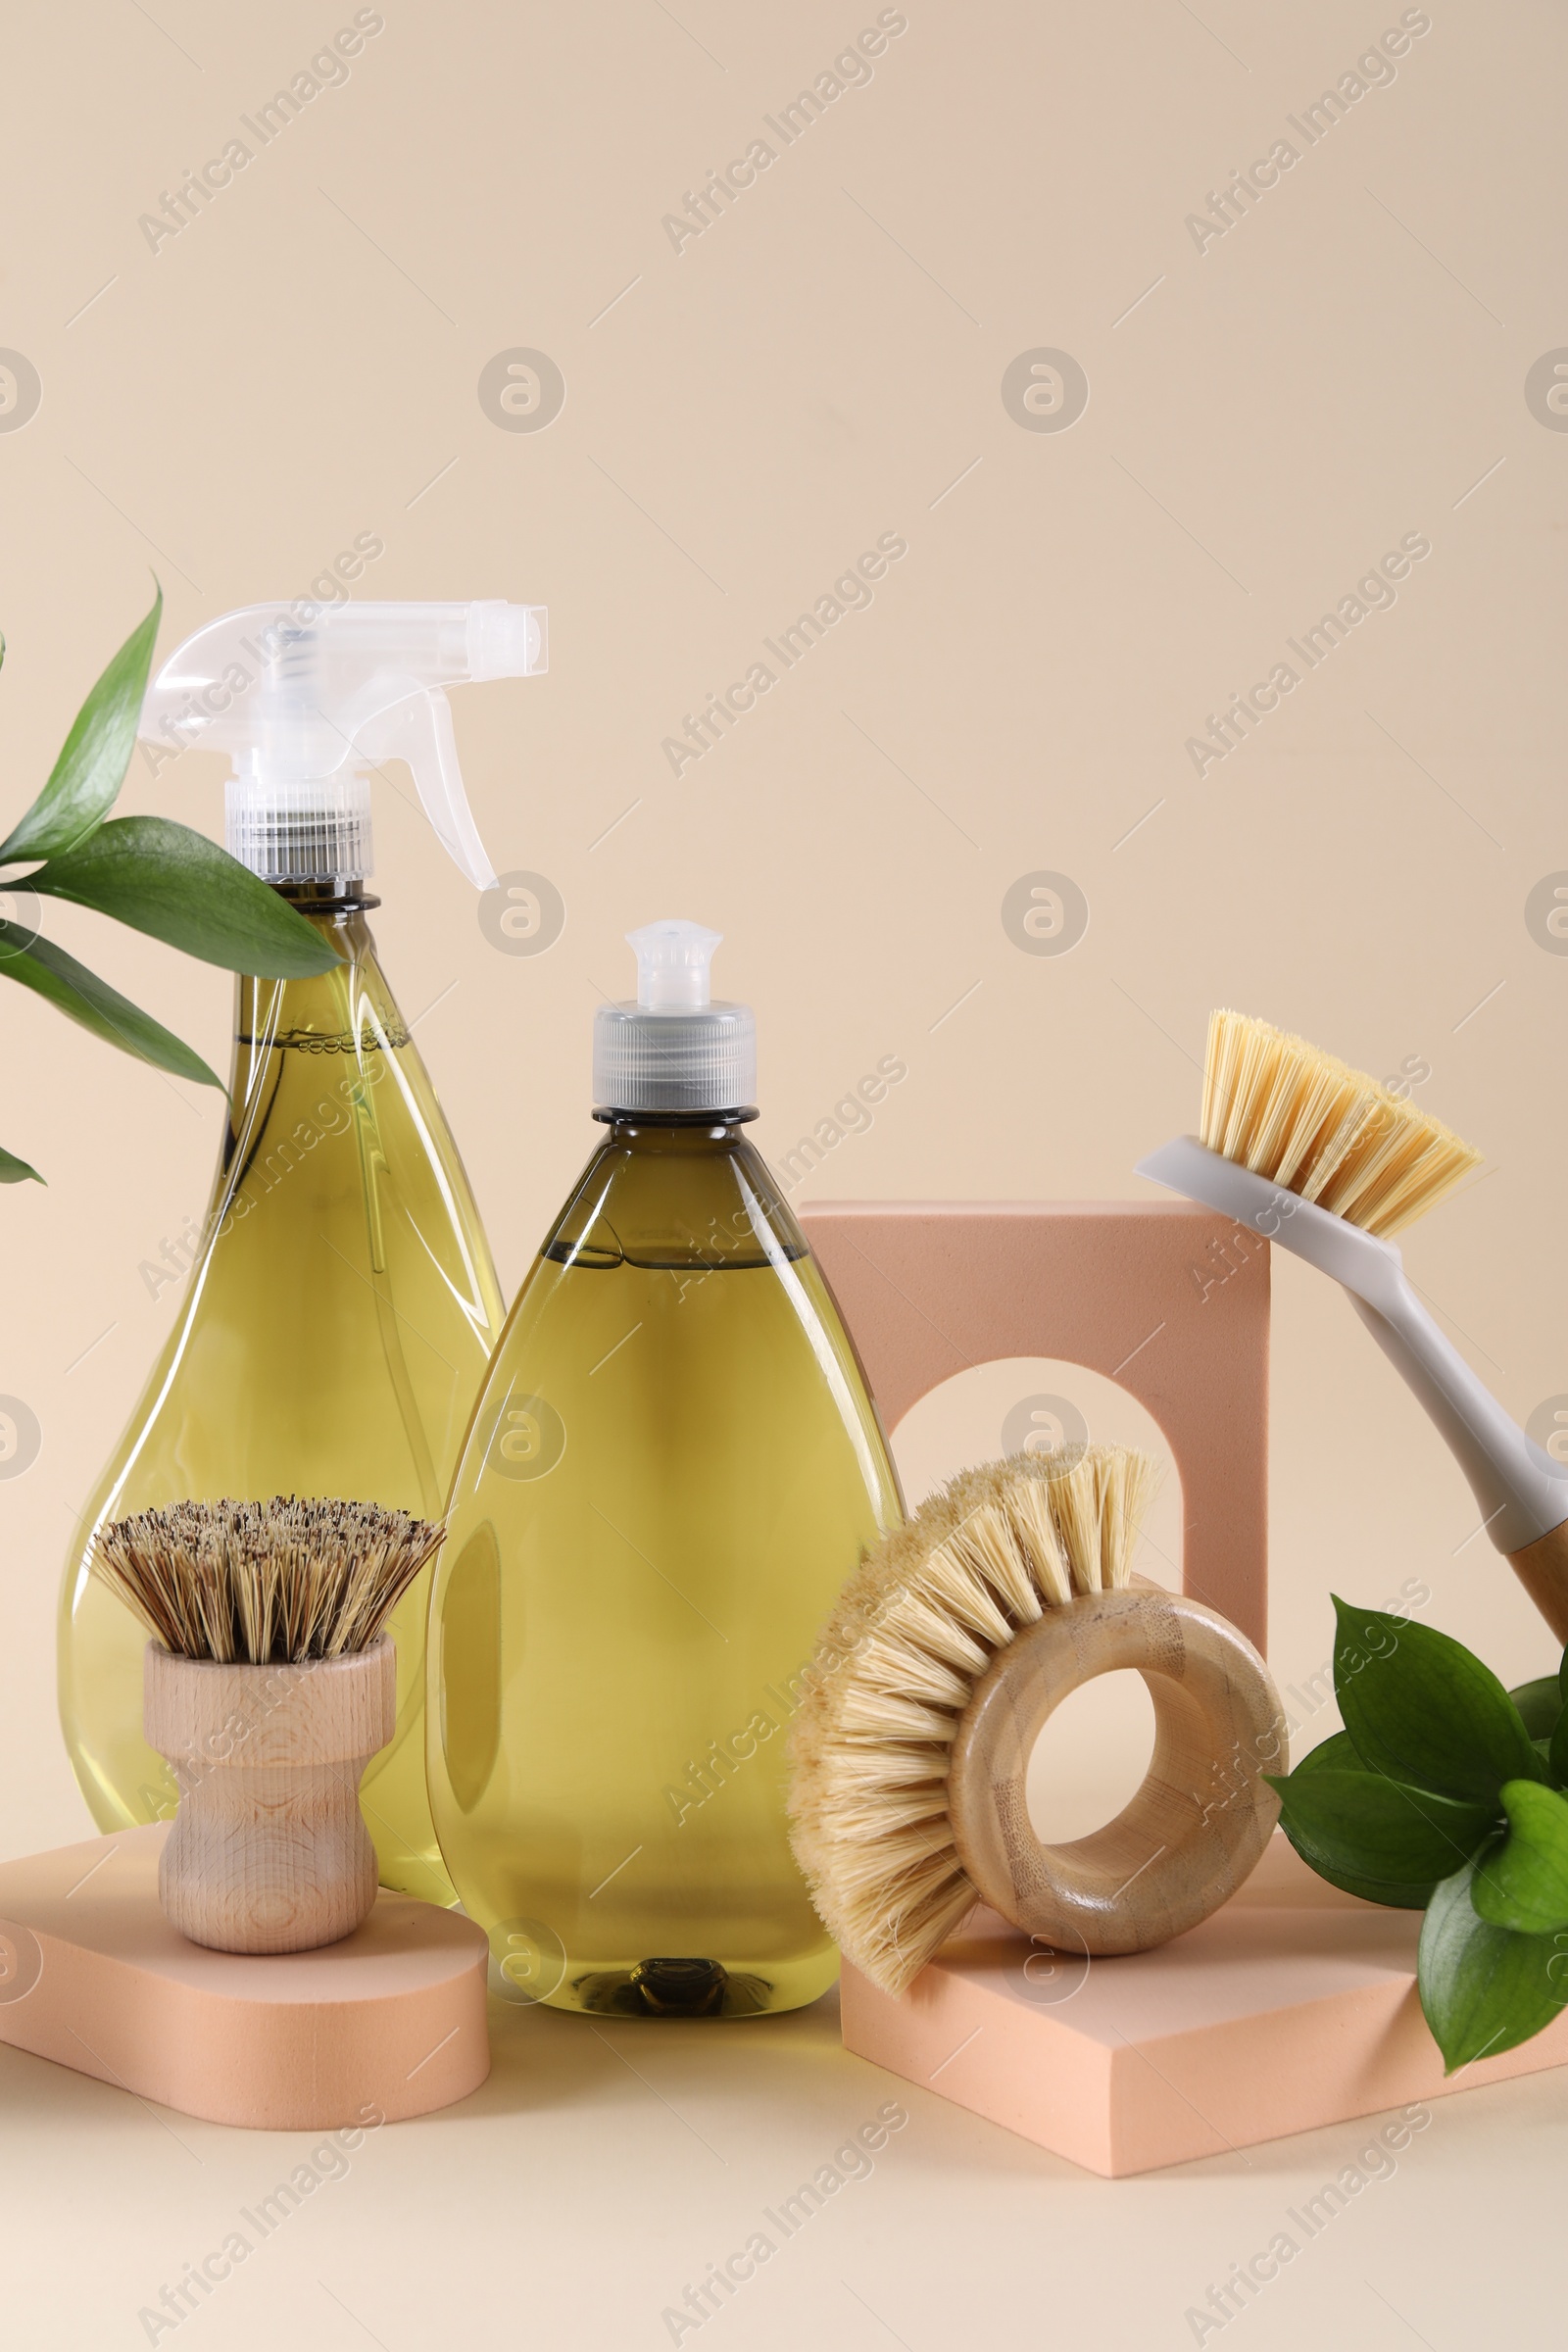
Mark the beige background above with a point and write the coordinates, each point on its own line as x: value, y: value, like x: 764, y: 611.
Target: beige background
x: 1266, y: 418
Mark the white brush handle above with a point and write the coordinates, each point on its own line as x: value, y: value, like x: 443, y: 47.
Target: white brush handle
x: 1522, y: 1493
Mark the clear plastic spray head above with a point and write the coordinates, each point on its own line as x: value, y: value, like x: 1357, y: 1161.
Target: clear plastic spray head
x: 675, y: 1049
x: 305, y: 700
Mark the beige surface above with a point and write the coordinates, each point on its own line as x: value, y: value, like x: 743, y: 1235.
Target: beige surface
x: 816, y: 370
x: 599, y: 2171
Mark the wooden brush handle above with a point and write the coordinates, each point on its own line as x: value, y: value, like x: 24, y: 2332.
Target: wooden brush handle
x: 1542, y: 1570
x: 269, y: 1852
x: 1195, y: 1827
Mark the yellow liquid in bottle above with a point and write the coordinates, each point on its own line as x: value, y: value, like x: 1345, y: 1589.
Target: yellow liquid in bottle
x: 335, y: 1330
x: 672, y: 1470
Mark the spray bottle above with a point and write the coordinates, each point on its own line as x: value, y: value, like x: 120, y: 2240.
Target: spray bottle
x: 672, y: 1468
x: 342, y: 1303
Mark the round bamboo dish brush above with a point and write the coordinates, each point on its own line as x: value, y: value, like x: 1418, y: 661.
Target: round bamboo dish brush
x: 1319, y: 1157
x: 269, y: 1686
x: 951, y: 1645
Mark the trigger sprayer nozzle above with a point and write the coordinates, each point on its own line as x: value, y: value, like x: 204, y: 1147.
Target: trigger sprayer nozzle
x: 307, y: 699
x: 506, y: 641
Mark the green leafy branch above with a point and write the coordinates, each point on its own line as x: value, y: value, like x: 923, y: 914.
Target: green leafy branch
x: 1444, y: 1793
x: 144, y: 871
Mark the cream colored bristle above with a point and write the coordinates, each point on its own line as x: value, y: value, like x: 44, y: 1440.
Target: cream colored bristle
x: 915, y: 1629
x: 258, y: 1583
x: 1125, y: 1483
x: 1285, y: 1110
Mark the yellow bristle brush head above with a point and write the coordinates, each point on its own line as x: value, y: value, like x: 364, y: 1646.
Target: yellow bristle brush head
x: 1305, y: 1120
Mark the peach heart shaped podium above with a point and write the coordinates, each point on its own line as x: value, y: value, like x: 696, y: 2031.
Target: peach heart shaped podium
x: 386, y: 2024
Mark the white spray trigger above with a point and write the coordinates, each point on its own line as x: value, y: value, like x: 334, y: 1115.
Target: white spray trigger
x: 300, y: 698
x: 672, y: 965
x: 419, y: 731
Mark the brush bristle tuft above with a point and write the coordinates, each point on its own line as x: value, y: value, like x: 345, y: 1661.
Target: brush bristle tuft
x: 915, y: 1629
x: 264, y: 1582
x: 1307, y: 1121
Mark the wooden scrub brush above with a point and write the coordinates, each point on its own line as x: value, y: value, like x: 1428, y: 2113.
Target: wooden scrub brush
x: 951, y: 1645
x: 1328, y: 1163
x: 269, y: 1686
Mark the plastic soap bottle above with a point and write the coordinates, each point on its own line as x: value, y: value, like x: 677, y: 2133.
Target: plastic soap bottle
x: 342, y: 1303
x: 672, y: 1469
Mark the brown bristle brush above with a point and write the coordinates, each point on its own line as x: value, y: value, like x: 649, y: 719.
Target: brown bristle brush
x: 951, y: 1643
x: 270, y: 1684
x: 254, y: 1583
x: 1319, y: 1157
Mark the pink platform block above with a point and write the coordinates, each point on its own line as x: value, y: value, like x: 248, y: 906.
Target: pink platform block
x: 388, y: 2024
x: 1171, y: 1302
x: 1293, y: 2006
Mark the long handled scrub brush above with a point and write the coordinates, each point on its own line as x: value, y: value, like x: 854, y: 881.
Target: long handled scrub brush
x: 1330, y: 1165
x: 951, y: 1645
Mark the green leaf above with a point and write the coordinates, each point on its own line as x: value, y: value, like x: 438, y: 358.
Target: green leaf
x: 179, y: 886
x: 1376, y: 1837
x: 1525, y: 1883
x: 40, y: 965
x: 1557, y: 1752
x: 1484, y: 1989
x: 1539, y: 1705
x: 91, y: 766
x: 1423, y: 1709
x: 1336, y: 1753
x: 16, y: 1171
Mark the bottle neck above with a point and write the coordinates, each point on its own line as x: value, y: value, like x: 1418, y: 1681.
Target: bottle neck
x: 674, y: 1130
x: 348, y: 1010
x: 342, y: 893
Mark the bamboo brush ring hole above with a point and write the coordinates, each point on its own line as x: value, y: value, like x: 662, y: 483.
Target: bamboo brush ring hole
x: 1197, y: 1824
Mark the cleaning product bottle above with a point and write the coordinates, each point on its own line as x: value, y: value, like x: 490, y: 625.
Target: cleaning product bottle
x: 342, y: 1303
x: 671, y: 1470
